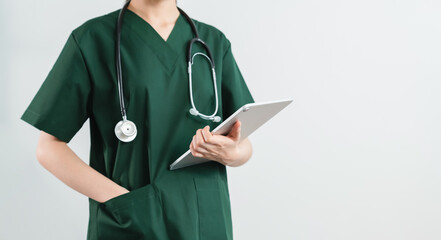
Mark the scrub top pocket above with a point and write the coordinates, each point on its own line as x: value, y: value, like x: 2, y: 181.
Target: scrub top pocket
x: 213, y: 209
x: 133, y: 215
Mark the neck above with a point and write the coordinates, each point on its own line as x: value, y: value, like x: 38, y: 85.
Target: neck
x: 155, y: 11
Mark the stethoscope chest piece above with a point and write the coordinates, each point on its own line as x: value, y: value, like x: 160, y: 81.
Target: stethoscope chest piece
x: 125, y: 130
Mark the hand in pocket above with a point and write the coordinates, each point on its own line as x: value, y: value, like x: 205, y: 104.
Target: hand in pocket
x: 117, y: 194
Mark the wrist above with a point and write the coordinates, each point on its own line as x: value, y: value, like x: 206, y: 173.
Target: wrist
x: 118, y: 191
x: 236, y: 157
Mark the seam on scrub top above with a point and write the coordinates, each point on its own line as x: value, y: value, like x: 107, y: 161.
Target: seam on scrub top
x: 33, y: 112
x: 159, y: 194
x: 89, y: 103
x: 197, y: 206
x: 226, y: 51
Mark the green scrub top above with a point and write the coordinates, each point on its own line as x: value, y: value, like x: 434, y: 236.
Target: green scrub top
x: 188, y: 204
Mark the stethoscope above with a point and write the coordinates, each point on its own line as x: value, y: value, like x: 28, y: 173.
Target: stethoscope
x: 125, y: 130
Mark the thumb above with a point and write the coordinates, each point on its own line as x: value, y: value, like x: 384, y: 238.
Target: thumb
x: 235, y: 131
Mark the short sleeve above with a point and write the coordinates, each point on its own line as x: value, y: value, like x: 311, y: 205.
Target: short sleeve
x: 235, y: 92
x: 61, y: 105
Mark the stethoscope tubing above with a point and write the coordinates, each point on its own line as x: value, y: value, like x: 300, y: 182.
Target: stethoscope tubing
x: 118, y: 60
x: 125, y: 130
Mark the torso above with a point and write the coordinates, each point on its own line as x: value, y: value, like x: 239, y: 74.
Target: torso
x: 156, y: 94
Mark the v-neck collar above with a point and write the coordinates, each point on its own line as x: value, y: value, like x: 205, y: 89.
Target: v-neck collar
x: 167, y: 51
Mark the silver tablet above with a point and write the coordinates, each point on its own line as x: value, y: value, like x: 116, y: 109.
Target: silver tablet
x: 251, y: 115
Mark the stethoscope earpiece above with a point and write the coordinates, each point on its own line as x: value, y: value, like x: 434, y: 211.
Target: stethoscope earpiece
x: 125, y: 130
x: 195, y: 112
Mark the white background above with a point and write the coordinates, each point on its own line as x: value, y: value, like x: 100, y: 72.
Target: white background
x: 355, y: 156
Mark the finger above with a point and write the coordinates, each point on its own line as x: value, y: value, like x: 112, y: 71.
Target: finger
x: 206, y: 134
x: 200, y: 143
x: 235, y: 131
x: 197, y: 144
x: 202, y: 150
x: 194, y: 152
x: 193, y: 142
x: 198, y: 137
x: 191, y: 147
x: 216, y: 140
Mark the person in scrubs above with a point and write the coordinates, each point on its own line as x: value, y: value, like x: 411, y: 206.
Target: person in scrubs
x: 131, y: 191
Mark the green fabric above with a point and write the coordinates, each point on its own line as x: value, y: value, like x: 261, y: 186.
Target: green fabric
x: 188, y: 204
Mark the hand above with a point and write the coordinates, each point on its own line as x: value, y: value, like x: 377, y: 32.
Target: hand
x: 216, y: 147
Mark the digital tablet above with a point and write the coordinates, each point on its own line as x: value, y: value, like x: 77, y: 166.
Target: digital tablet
x: 251, y: 115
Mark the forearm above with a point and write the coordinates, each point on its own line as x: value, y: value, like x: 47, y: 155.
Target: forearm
x: 61, y: 161
x: 242, y: 154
